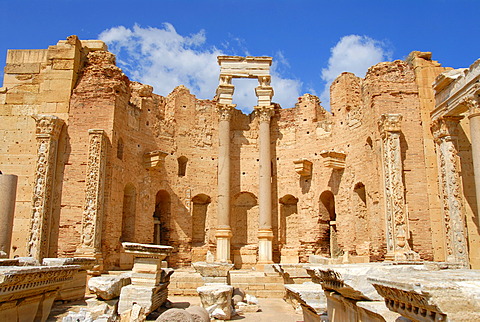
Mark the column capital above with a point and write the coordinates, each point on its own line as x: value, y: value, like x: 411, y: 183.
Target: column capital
x: 225, y: 111
x: 473, y: 105
x: 264, y: 113
x: 389, y: 123
x: 445, y: 127
x: 48, y: 126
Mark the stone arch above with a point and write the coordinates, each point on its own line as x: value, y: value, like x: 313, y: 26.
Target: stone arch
x: 328, y: 238
x: 129, y: 212
x: 199, y: 219
x: 244, y: 219
x: 289, y: 221
x: 182, y: 166
x: 161, y: 218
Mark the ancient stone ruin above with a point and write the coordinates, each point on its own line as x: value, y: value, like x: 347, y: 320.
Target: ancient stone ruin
x: 94, y: 163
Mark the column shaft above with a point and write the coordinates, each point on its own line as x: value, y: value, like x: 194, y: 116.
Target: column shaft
x: 265, y: 234
x: 8, y: 193
x: 265, y: 182
x: 223, y: 233
x: 475, y: 138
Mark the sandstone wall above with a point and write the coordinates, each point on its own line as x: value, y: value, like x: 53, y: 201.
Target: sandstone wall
x: 174, y: 202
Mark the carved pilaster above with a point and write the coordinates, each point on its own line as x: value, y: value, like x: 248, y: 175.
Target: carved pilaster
x: 48, y: 129
x: 397, y: 231
x: 445, y: 132
x: 264, y: 113
x: 94, y: 195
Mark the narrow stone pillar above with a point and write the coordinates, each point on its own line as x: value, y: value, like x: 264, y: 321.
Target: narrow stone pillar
x: 223, y: 233
x: 397, y: 230
x: 474, y: 118
x: 265, y: 233
x: 90, y: 243
x: 8, y: 194
x: 48, y: 129
x: 445, y: 131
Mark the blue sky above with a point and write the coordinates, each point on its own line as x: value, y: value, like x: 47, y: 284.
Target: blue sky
x: 165, y: 43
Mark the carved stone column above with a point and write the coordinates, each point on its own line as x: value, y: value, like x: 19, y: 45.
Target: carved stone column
x: 397, y: 230
x: 265, y: 233
x: 445, y: 134
x: 474, y: 118
x: 223, y: 233
x: 90, y: 243
x: 48, y: 129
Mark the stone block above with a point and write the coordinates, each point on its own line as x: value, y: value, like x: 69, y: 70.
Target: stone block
x: 23, y: 68
x: 217, y: 300
x: 108, y: 287
x: 198, y: 313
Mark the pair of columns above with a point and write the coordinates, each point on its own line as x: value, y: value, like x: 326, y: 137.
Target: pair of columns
x: 224, y: 231
x: 445, y: 133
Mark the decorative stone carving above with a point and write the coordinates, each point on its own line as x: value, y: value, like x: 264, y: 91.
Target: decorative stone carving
x: 264, y: 113
x: 48, y: 129
x: 397, y: 230
x: 445, y: 134
x: 27, y: 293
x: 303, y: 167
x: 225, y: 111
x: 75, y: 288
x: 334, y: 159
x: 154, y: 159
x: 446, y: 295
x: 94, y: 195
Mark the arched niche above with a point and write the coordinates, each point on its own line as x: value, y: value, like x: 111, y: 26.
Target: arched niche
x: 328, y: 225
x: 289, y: 225
x: 199, y: 218
x: 182, y: 166
x: 129, y: 212
x: 244, y: 219
x: 161, y: 218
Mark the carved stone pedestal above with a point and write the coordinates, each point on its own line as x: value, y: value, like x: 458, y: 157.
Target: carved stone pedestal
x: 149, y: 287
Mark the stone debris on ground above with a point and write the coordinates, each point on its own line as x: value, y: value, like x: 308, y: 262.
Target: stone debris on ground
x: 108, y: 287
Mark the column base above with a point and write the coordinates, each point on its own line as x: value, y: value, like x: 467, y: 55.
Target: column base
x: 402, y: 255
x: 265, y: 252
x: 223, y: 237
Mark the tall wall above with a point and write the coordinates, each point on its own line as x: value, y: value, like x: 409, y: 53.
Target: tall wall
x: 150, y: 200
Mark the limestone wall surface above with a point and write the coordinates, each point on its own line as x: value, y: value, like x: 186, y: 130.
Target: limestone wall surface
x: 160, y: 178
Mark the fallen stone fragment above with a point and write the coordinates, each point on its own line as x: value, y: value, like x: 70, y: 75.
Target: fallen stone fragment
x: 217, y: 300
x: 108, y: 287
x: 238, y: 295
x: 175, y: 315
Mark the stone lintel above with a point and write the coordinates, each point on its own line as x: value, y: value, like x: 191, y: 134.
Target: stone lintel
x: 147, y: 250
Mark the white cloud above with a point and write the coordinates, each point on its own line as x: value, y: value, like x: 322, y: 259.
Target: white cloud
x: 355, y: 54
x: 165, y: 59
